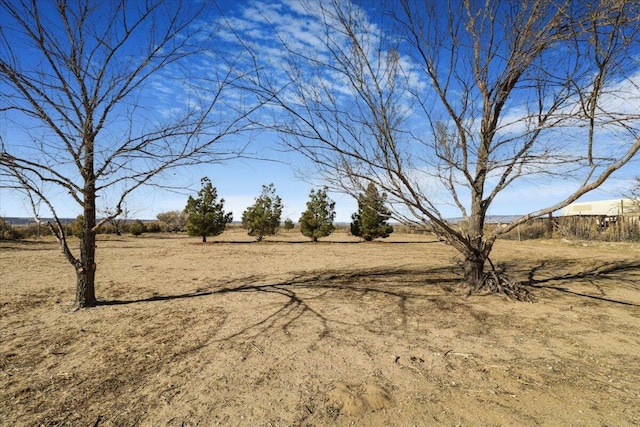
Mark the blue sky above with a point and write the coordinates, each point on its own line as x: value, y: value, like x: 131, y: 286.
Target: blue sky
x: 239, y: 181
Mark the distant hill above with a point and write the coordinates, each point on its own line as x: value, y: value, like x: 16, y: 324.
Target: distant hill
x: 26, y: 221
x: 491, y: 219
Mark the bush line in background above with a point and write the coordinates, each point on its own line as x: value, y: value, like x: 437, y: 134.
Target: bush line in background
x: 616, y: 229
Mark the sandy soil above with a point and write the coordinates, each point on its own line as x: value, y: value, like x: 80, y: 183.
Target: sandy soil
x: 286, y: 332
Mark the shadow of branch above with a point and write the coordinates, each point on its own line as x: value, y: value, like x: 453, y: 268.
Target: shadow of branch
x: 619, y: 271
x: 399, y: 284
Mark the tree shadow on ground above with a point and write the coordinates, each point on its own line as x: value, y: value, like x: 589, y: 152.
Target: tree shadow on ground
x: 411, y: 280
x: 302, y: 289
x: 397, y: 285
x: 362, y: 280
x: 318, y: 243
x: 620, y: 272
x: 27, y: 245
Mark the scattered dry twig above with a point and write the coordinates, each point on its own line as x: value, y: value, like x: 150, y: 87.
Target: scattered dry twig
x: 261, y: 351
x: 454, y: 353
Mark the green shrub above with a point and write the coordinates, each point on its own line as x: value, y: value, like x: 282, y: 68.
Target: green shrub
x: 137, y: 228
x: 288, y: 224
x: 76, y: 227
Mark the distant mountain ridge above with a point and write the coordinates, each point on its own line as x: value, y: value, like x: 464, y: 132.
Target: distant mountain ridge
x: 29, y: 220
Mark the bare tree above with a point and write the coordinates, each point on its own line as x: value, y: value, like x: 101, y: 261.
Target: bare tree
x: 82, y: 87
x: 445, y: 104
x: 118, y: 221
x: 173, y: 221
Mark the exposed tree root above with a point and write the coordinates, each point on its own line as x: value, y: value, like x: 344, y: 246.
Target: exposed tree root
x: 496, y: 282
x: 501, y: 284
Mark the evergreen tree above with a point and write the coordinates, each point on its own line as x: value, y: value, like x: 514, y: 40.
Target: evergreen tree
x: 206, y: 214
x: 288, y: 224
x: 77, y: 226
x: 263, y: 217
x: 317, y: 220
x: 370, y: 221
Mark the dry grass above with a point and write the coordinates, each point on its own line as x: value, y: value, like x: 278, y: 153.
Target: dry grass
x: 336, y: 333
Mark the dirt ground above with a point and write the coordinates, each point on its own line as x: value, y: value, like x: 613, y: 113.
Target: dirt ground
x: 286, y: 332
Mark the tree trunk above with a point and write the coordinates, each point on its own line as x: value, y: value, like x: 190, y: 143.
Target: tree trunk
x: 474, y: 268
x: 85, y: 287
x: 204, y: 238
x: 477, y: 249
x: 86, y: 268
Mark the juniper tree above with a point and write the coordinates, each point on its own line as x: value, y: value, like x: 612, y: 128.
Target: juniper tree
x: 288, y: 224
x: 77, y: 226
x: 206, y: 216
x: 263, y: 217
x: 317, y: 220
x: 370, y: 222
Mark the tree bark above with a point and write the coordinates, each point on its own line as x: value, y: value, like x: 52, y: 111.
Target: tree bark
x: 86, y: 268
x: 475, y: 250
x: 85, y: 286
x: 474, y: 268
